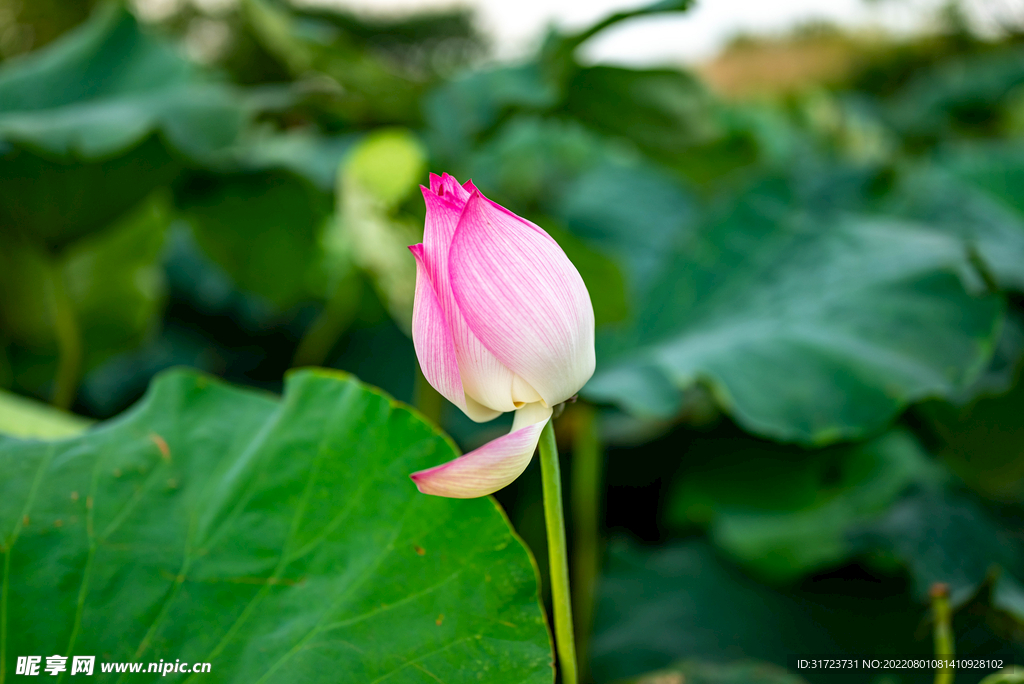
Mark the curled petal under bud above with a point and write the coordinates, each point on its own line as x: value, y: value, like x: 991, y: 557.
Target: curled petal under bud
x: 496, y: 464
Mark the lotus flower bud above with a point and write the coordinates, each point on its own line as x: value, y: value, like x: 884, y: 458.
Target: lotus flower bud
x: 501, y: 322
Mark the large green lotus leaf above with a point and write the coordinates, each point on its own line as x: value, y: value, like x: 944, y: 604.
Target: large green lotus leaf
x: 982, y: 214
x: 108, y: 85
x: 680, y: 601
x: 94, y: 122
x: 279, y: 540
x: 262, y: 227
x: 807, y: 327
x: 783, y: 512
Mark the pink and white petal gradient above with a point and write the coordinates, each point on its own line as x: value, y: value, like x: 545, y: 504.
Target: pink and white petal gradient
x: 484, y: 378
x: 432, y: 338
x: 501, y: 321
x: 495, y: 465
x: 523, y: 299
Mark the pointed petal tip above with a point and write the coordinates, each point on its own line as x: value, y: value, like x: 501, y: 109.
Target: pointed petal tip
x: 432, y: 481
x: 417, y: 250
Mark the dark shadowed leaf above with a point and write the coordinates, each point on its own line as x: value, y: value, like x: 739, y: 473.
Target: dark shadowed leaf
x: 114, y: 282
x: 784, y: 512
x: 658, y: 606
x: 807, y: 327
x: 665, y: 111
x: 947, y: 537
x: 981, y: 436
x: 94, y: 122
x: 107, y: 86
x: 287, y: 529
x: 261, y: 227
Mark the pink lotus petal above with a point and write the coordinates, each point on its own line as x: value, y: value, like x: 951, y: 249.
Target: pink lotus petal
x: 432, y: 338
x: 516, y: 217
x: 484, y: 378
x: 449, y: 188
x: 439, y: 227
x: 523, y: 299
x: 435, y: 182
x: 496, y: 464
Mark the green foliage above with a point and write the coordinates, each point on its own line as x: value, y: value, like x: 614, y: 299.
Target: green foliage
x: 387, y: 164
x: 669, y: 112
x: 372, y: 90
x: 800, y: 322
x: 27, y: 419
x: 947, y: 537
x: 1010, y: 675
x: 785, y: 513
x: 982, y: 440
x: 112, y: 279
x: 657, y: 606
x: 809, y: 348
x: 94, y: 122
x: 287, y: 529
x: 380, y: 172
x: 262, y: 227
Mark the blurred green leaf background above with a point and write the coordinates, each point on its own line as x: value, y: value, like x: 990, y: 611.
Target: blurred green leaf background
x: 806, y: 259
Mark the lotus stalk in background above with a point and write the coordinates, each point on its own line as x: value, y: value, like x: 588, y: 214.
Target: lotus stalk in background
x: 501, y: 322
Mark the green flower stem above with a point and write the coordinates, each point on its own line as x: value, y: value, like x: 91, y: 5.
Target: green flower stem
x: 68, y: 336
x: 585, y: 494
x: 944, y: 647
x: 557, y: 556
